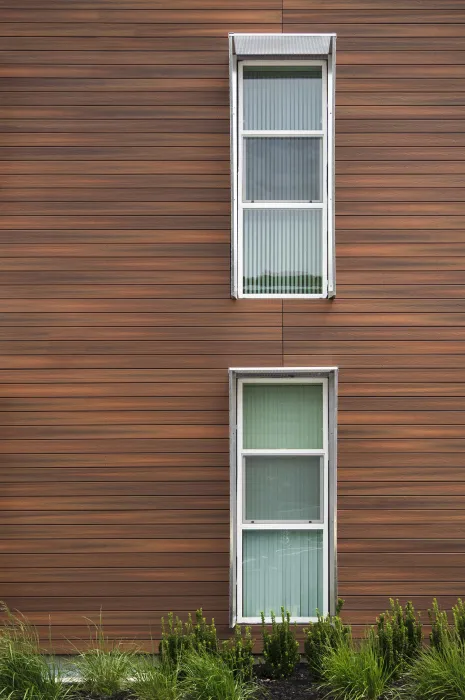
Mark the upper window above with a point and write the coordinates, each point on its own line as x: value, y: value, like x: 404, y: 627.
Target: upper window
x: 282, y: 178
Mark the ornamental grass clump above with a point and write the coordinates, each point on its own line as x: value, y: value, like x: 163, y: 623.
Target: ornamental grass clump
x: 205, y: 676
x: 26, y: 674
x: 106, y: 666
x: 355, y: 674
x: 328, y: 632
x: 398, y: 636
x: 438, y: 673
x: 280, y: 647
x: 156, y: 680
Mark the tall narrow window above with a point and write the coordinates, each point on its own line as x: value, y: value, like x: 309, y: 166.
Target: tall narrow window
x: 282, y: 507
x: 282, y: 174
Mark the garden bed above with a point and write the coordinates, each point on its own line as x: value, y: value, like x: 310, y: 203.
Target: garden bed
x: 298, y: 687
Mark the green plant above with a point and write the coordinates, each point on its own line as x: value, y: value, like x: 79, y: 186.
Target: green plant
x: 237, y: 653
x: 155, y: 680
x: 458, y: 613
x: 174, y: 641
x: 280, y: 647
x: 437, y: 674
x: 25, y: 673
x: 104, y: 668
x: 355, y: 674
x: 441, y: 632
x: 178, y: 638
x: 205, y: 676
x: 203, y: 635
x: 326, y: 633
x: 398, y: 636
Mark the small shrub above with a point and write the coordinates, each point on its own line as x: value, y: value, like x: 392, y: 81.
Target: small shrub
x: 327, y: 633
x: 178, y: 638
x: 398, y: 636
x: 458, y: 613
x: 205, y: 676
x: 174, y: 641
x: 437, y: 674
x: 25, y: 673
x: 280, y: 647
x: 237, y: 653
x: 441, y: 632
x: 203, y: 635
x: 351, y: 674
x: 105, y: 667
x: 154, y: 680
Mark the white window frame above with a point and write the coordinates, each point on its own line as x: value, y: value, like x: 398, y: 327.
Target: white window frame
x: 327, y: 378
x: 238, y: 135
x: 242, y: 204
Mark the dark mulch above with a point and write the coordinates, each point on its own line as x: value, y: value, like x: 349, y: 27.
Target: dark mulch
x: 298, y: 687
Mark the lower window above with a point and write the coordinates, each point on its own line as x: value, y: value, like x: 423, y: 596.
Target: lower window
x: 282, y: 493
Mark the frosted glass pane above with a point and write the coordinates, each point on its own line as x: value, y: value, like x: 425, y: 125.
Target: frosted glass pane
x: 278, y: 97
x: 283, y: 169
x: 282, y: 568
x: 283, y: 251
x: 283, y: 416
x: 282, y: 488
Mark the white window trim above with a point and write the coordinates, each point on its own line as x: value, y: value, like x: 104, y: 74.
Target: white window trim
x: 327, y: 377
x: 237, y: 138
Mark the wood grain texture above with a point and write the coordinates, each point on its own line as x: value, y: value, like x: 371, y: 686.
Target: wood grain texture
x: 400, y: 449
x: 117, y: 327
x: 117, y: 115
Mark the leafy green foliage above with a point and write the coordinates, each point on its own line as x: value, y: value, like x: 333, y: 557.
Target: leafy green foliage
x: 328, y: 632
x: 398, y: 636
x: 156, y: 680
x: 203, y: 635
x: 25, y: 674
x: 355, y: 674
x: 458, y: 613
x: 205, y: 676
x: 441, y: 632
x: 106, y: 666
x: 438, y: 673
x: 174, y: 641
x: 178, y: 638
x: 237, y: 653
x: 280, y: 647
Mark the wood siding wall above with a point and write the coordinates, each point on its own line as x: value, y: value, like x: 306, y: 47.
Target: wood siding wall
x: 116, y: 326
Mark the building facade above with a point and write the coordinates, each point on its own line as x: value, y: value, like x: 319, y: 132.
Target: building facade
x: 133, y: 371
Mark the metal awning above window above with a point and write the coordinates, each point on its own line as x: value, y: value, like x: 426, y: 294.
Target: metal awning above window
x: 282, y: 45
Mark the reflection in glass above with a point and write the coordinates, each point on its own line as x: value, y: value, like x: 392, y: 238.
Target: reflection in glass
x: 282, y: 568
x: 283, y: 169
x: 283, y: 251
x: 282, y: 416
x: 282, y: 488
x: 283, y: 98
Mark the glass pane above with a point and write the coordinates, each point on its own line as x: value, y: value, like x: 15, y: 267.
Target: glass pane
x: 283, y: 416
x: 283, y: 251
x: 283, y: 169
x: 282, y: 488
x: 282, y: 568
x: 282, y: 97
